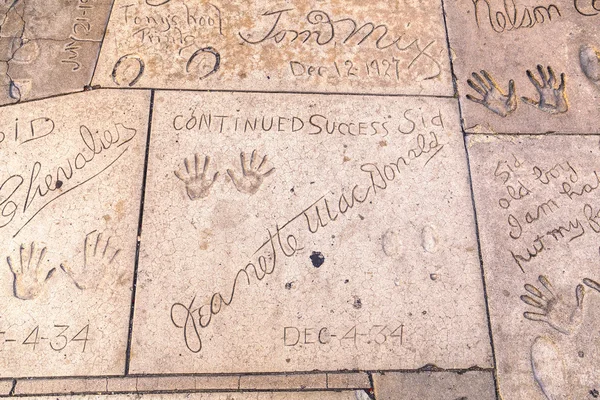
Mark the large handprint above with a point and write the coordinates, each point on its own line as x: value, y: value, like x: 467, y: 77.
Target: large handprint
x: 29, y: 276
x: 97, y: 259
x: 197, y: 184
x: 492, y: 96
x: 252, y: 177
x: 553, y: 99
x: 551, y: 307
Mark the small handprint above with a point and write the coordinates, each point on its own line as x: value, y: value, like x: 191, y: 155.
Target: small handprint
x: 97, y: 258
x: 553, y: 99
x: 492, y: 96
x: 553, y: 310
x: 29, y: 277
x: 197, y: 185
x: 252, y: 176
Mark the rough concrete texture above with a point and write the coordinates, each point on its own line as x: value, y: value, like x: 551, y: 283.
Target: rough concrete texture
x: 317, y: 199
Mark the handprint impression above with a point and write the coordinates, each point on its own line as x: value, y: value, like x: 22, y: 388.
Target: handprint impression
x: 252, y: 177
x: 552, y: 309
x: 29, y: 277
x: 547, y: 360
x: 553, y: 99
x: 492, y: 96
x: 197, y: 185
x: 97, y: 258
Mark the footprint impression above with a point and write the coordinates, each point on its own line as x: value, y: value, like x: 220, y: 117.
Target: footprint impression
x: 589, y: 57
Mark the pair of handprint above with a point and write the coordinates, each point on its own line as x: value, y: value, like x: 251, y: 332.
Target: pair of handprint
x: 198, y: 183
x: 552, y: 94
x: 30, y: 274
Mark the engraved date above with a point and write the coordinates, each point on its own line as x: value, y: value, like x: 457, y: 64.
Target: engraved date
x: 376, y: 68
x: 354, y: 335
x: 58, y: 337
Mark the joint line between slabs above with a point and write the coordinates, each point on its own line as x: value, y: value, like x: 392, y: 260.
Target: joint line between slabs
x: 138, y: 237
x: 470, y: 181
x: 482, y: 269
x: 102, y: 41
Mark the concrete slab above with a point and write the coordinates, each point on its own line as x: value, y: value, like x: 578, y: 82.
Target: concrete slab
x: 308, y: 46
x: 381, y: 281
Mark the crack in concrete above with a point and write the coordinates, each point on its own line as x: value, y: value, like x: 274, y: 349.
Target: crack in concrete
x: 6, y: 15
x: 14, y: 92
x: 17, y: 42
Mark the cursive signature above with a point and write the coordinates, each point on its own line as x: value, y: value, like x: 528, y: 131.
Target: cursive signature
x: 37, y: 186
